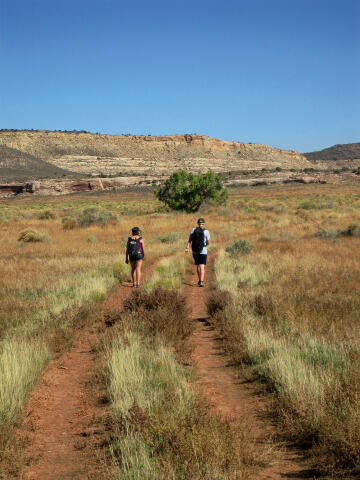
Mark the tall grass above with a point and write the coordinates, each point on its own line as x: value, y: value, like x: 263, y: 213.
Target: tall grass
x: 293, y: 316
x: 161, y: 428
x: 20, y: 364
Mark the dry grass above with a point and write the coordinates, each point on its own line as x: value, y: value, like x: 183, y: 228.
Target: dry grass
x: 297, y: 292
x: 161, y: 429
x: 293, y: 315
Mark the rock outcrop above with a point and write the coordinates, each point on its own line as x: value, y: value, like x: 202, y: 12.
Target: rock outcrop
x: 95, y: 154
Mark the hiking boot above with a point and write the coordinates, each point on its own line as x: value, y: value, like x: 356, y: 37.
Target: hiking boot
x: 201, y: 284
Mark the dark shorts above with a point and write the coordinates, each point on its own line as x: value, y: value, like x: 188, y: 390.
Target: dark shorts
x: 134, y: 259
x: 200, y: 258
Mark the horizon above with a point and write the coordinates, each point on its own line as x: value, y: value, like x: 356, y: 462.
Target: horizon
x: 267, y: 72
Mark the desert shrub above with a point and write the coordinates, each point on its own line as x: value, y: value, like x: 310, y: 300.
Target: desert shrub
x: 69, y: 223
x: 218, y: 301
x: 308, y: 205
x: 239, y: 247
x: 171, y: 237
x: 47, y: 215
x: 351, y: 231
x: 159, y: 312
x: 92, y: 239
x: 92, y: 215
x: 31, y: 235
x: 326, y: 233
x: 187, y: 191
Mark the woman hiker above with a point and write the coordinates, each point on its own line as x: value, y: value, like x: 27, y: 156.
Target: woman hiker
x: 199, y: 240
x: 135, y: 252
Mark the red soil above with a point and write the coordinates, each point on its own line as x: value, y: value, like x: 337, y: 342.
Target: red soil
x: 65, y: 418
x: 234, y: 397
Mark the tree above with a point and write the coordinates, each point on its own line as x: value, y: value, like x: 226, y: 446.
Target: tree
x: 187, y: 191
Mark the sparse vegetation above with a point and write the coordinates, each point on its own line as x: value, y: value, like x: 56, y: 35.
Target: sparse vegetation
x: 288, y: 309
x: 32, y: 235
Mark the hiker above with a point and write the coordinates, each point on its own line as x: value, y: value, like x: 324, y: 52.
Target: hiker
x: 135, y: 252
x: 199, y: 239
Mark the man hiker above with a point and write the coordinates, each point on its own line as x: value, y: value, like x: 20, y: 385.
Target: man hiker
x: 135, y: 252
x: 199, y: 239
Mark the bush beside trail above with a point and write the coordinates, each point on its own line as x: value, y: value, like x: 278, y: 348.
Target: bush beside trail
x: 187, y: 191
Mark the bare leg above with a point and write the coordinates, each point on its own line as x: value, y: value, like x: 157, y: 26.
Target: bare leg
x: 133, y: 271
x: 198, y: 271
x: 201, y: 272
x: 138, y: 271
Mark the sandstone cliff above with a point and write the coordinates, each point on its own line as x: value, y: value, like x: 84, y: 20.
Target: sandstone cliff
x: 93, y: 154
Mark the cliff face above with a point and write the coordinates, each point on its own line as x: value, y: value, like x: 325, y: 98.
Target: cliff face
x: 87, y: 153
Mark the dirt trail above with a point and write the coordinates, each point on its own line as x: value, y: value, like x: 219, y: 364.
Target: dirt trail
x: 65, y: 416
x: 234, y: 397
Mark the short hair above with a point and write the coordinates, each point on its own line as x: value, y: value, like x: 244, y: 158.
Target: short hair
x: 135, y: 230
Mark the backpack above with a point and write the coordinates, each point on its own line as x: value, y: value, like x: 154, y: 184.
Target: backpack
x: 134, y: 248
x: 198, y: 240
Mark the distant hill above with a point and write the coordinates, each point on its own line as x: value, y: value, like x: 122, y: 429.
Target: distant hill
x: 96, y: 154
x: 344, y: 152
x: 17, y: 166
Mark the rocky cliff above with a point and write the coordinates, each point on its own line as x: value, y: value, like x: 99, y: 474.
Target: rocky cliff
x: 94, y: 154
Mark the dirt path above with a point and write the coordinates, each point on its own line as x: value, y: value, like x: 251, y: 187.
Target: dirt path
x: 234, y: 397
x: 65, y: 417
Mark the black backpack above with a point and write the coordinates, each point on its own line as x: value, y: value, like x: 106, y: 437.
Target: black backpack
x: 134, y: 248
x: 198, y: 240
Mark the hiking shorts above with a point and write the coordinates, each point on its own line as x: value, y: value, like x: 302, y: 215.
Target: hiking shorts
x: 200, y: 258
x: 132, y: 258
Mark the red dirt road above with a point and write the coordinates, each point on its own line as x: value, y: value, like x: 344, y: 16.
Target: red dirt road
x: 65, y: 418
x: 234, y: 397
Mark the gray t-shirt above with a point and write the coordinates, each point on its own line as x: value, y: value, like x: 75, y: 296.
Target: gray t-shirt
x: 206, y: 238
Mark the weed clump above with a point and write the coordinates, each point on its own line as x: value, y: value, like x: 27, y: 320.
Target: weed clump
x: 31, y: 235
x: 94, y: 215
x: 218, y: 301
x: 327, y: 233
x: 171, y: 237
x: 69, y: 223
x: 92, y: 239
x: 351, y: 231
x: 239, y: 247
x: 47, y: 215
x: 161, y: 312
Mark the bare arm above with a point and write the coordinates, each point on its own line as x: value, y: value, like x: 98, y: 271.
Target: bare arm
x: 188, y: 245
x: 143, y: 246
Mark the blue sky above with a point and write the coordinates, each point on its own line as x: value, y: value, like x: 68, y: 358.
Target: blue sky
x: 283, y: 73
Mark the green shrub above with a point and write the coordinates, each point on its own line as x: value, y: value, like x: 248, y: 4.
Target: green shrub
x: 239, y: 247
x: 187, y: 191
x: 93, y: 215
x: 92, y: 239
x: 47, y: 215
x: 31, y: 235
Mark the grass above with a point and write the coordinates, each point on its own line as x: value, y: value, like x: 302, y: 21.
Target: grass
x: 294, y: 297
x: 161, y: 429
x: 292, y: 315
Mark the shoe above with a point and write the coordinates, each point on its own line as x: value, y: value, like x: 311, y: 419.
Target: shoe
x: 201, y: 284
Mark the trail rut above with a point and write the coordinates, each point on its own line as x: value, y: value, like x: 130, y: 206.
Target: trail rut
x: 65, y: 417
x: 234, y: 397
